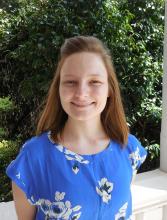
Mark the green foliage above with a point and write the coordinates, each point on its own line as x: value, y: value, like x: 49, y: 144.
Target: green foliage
x: 31, y: 33
x: 153, y: 157
x: 154, y: 150
x: 5, y: 104
x: 8, y: 151
x: 2, y: 132
x: 6, y: 107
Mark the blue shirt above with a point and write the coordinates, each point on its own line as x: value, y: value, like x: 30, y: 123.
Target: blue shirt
x: 64, y: 185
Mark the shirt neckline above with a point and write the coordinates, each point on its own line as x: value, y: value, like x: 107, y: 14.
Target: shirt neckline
x: 64, y: 149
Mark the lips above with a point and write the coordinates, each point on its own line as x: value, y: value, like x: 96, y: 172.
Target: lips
x: 82, y: 105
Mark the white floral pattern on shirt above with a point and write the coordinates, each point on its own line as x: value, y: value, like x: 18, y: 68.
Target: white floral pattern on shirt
x: 18, y: 176
x: 136, y: 159
x: 75, y: 156
x: 69, y: 155
x: 59, y: 209
x: 122, y: 212
x: 104, y: 189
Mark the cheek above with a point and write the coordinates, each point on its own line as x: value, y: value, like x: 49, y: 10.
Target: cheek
x: 102, y: 91
x: 64, y: 93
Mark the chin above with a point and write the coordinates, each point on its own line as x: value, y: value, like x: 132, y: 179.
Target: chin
x: 81, y: 117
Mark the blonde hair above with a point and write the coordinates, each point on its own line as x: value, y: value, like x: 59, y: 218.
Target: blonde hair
x: 53, y: 117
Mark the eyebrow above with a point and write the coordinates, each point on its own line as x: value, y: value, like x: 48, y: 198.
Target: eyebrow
x: 69, y: 75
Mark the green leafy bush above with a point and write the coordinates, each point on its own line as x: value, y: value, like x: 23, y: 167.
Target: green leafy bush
x: 32, y: 35
x: 153, y: 158
x: 8, y: 151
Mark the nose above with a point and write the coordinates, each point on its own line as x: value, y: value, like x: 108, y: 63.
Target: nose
x: 81, y: 90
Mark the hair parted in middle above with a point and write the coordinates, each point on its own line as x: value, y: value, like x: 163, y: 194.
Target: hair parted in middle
x: 53, y: 117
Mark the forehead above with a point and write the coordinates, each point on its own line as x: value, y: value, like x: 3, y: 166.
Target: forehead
x: 84, y: 63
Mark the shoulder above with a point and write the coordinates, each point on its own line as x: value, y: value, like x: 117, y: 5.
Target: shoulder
x: 35, y: 144
x: 29, y: 164
x: 134, y: 145
x: 136, y: 151
x: 133, y: 142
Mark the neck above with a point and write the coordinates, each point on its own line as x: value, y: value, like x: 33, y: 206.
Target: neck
x: 83, y: 131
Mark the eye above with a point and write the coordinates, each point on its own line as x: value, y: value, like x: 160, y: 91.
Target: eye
x: 70, y: 82
x: 95, y: 82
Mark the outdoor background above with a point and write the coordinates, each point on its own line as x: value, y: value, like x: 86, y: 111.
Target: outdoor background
x: 31, y: 33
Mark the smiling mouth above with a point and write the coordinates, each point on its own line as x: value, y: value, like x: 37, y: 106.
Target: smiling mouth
x: 82, y: 106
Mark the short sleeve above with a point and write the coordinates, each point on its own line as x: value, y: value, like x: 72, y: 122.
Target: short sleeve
x: 137, y: 153
x: 20, y: 172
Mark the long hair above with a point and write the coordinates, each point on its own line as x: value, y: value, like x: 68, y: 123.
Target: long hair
x: 53, y: 117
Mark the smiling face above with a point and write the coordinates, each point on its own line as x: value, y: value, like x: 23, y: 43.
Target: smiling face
x: 83, y: 86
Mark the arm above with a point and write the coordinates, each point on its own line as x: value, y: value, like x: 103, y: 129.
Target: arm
x: 133, y: 179
x: 24, y: 210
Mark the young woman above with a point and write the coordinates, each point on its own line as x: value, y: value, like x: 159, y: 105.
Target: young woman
x: 81, y: 162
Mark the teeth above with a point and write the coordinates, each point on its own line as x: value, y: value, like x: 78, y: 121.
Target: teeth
x: 81, y: 105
